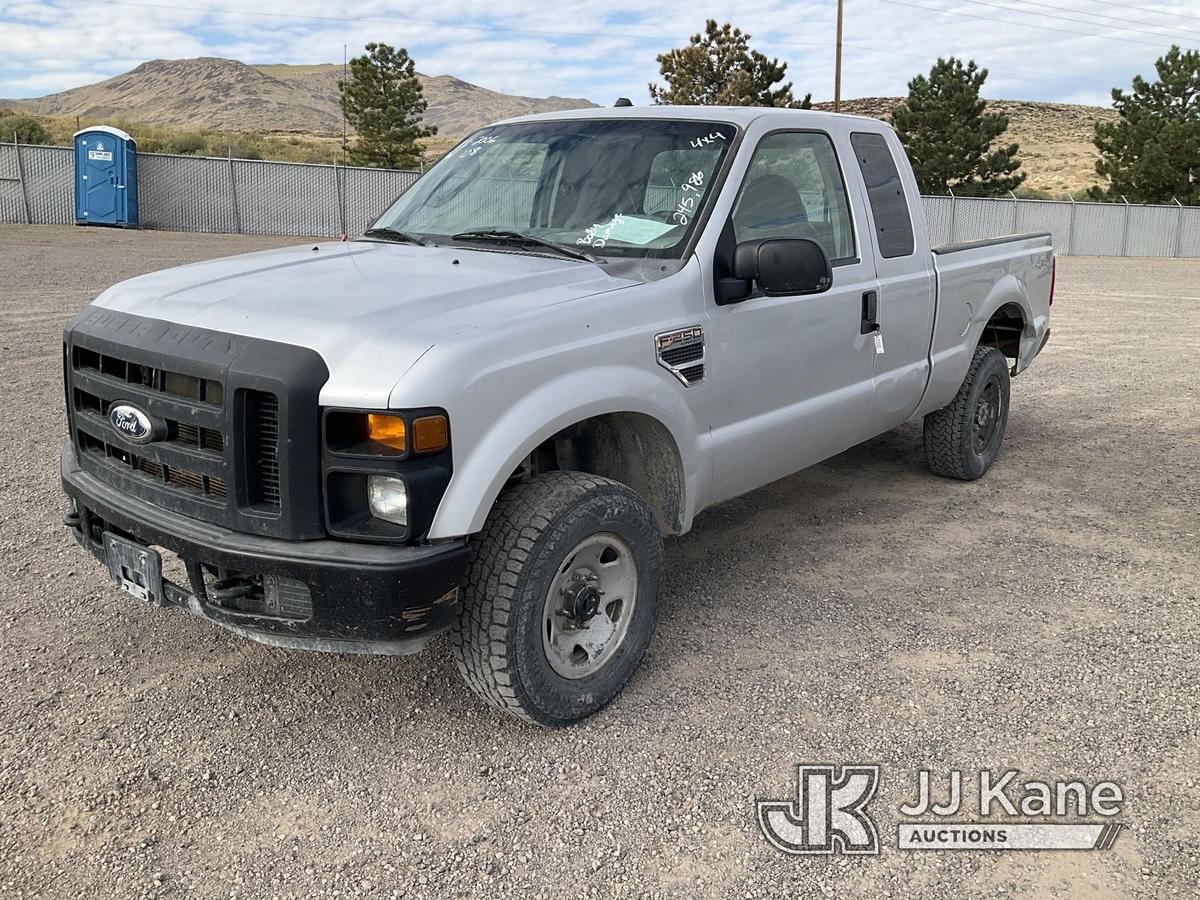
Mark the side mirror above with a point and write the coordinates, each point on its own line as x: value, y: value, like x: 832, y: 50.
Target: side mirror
x: 783, y: 266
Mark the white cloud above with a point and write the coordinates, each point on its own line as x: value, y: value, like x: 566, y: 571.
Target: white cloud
x: 602, y: 50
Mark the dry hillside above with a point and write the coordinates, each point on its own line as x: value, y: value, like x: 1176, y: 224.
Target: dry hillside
x: 227, y: 95
x: 1056, y: 138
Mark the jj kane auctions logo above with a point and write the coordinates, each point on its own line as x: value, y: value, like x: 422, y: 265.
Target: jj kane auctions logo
x: 829, y: 814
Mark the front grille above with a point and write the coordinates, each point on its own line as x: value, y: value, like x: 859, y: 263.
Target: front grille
x: 187, y: 387
x: 262, y: 447
x: 234, y: 437
x: 203, y: 438
x: 151, y: 470
x: 189, y: 461
x: 191, y: 457
x: 212, y: 440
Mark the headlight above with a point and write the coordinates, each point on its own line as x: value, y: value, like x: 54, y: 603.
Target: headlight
x: 391, y: 434
x: 387, y: 498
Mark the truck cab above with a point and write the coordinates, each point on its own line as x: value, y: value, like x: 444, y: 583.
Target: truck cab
x: 573, y: 334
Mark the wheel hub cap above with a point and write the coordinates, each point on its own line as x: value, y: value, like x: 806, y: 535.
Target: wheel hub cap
x: 581, y: 601
x: 589, y: 605
x: 987, y: 415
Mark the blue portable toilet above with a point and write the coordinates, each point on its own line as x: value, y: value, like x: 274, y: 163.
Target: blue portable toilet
x: 105, y: 177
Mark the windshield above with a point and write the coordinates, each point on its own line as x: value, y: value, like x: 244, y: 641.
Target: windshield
x: 631, y: 188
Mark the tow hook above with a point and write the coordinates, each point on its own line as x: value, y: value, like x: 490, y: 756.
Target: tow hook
x: 232, y: 589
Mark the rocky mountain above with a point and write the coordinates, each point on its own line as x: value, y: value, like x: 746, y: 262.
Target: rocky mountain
x: 227, y: 95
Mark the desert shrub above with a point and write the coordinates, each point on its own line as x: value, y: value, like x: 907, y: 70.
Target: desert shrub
x: 27, y: 129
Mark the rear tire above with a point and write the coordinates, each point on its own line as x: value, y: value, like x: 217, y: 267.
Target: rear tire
x: 561, y: 597
x: 962, y: 439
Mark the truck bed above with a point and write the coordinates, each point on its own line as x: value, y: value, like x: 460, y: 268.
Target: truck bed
x: 974, y: 280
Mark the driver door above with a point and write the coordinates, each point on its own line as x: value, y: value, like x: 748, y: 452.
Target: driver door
x: 791, y: 376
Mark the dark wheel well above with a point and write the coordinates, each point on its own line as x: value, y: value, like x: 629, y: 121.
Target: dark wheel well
x: 632, y: 448
x: 1003, y: 331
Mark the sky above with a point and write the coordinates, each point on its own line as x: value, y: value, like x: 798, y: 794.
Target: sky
x: 1071, y: 51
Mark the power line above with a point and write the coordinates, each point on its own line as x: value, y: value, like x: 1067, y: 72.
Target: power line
x: 955, y: 12
x: 1146, y: 9
x: 1062, y: 18
x: 1084, y: 12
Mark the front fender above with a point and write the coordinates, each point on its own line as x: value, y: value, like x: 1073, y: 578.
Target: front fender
x: 481, y: 472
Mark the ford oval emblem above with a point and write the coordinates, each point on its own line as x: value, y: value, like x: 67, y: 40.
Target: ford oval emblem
x: 131, y: 423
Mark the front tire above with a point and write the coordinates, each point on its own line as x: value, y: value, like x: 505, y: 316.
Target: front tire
x: 962, y: 439
x: 561, y: 597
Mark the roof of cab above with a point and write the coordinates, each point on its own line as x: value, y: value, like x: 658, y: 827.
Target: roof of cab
x: 737, y: 115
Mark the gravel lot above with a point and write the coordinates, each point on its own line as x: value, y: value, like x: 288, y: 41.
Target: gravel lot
x: 1044, y: 619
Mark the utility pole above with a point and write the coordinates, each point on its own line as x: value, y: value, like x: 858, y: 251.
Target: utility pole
x: 344, y: 59
x: 837, y: 66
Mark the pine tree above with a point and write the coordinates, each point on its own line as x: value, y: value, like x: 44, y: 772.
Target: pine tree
x: 718, y: 68
x: 383, y: 101
x: 951, y: 138
x: 1151, y: 154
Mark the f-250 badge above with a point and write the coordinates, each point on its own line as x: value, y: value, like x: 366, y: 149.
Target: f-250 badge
x: 681, y: 353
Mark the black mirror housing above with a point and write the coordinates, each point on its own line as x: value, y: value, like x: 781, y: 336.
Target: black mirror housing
x: 783, y: 266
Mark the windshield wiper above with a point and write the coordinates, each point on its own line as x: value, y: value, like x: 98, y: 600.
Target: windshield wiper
x: 520, y: 239
x: 395, y: 234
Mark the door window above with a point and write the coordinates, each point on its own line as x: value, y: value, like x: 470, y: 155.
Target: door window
x: 794, y: 189
x: 893, y: 224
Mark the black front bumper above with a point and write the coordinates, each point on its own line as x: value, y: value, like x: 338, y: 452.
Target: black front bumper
x: 365, y: 598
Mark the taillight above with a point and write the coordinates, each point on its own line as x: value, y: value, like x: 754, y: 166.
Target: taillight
x: 1053, y: 276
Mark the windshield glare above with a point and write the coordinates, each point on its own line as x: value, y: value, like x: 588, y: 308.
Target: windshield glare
x: 608, y: 187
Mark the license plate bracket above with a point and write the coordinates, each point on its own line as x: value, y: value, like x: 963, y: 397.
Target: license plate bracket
x: 134, y: 568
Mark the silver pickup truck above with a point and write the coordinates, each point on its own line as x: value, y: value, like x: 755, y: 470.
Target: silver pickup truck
x: 573, y: 334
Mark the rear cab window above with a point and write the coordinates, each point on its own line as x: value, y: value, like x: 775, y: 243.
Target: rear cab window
x: 885, y: 193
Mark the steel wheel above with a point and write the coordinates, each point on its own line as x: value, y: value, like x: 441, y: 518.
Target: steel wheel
x: 589, y: 605
x: 962, y: 439
x: 987, y: 414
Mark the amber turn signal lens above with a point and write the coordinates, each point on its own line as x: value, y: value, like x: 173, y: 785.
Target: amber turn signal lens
x: 430, y: 433
x: 386, y: 430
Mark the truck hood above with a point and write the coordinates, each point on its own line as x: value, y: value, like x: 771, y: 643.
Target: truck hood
x: 370, y: 309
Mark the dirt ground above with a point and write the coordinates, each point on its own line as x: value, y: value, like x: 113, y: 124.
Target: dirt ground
x: 864, y: 611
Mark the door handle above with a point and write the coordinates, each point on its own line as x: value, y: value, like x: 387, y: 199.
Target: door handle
x: 870, y: 312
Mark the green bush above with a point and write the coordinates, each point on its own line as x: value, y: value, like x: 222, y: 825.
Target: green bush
x: 189, y: 142
x: 28, y: 129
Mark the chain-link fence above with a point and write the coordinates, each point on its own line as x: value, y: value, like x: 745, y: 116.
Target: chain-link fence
x: 197, y: 193
x: 1077, y: 229
x: 191, y: 193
